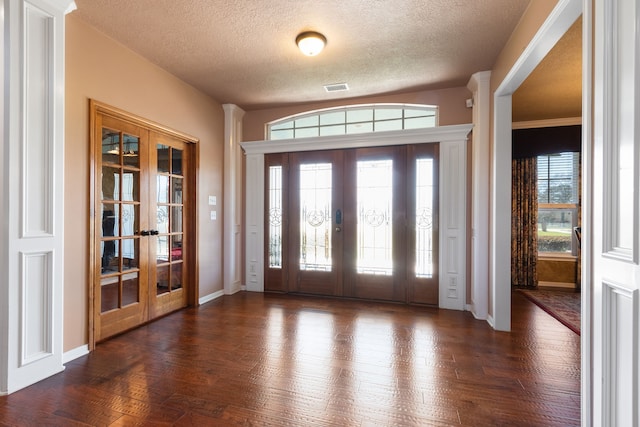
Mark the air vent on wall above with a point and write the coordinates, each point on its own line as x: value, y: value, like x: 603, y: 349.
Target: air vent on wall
x: 337, y: 87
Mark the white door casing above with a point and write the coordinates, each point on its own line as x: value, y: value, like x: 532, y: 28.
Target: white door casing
x: 453, y: 166
x: 31, y: 193
x: 616, y: 209
x: 555, y: 26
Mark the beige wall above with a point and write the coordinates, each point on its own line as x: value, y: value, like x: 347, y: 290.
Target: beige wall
x: 451, y: 103
x: 99, y: 68
x: 531, y: 21
x: 557, y: 271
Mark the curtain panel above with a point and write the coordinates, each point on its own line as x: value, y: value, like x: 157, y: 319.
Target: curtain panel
x: 524, y: 223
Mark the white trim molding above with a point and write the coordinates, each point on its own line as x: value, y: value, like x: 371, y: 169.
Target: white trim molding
x: 75, y: 353
x: 568, y: 121
x: 212, y: 296
x: 555, y: 26
x: 453, y: 166
x: 31, y: 191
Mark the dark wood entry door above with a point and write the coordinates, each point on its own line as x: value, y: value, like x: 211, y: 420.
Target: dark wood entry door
x: 316, y: 238
x: 354, y: 223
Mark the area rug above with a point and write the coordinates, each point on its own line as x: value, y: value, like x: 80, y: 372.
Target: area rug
x: 563, y: 305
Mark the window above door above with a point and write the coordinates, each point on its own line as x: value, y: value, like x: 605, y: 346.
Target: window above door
x: 353, y: 119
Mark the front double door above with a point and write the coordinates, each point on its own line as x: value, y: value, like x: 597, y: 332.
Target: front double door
x: 142, y: 207
x: 355, y: 223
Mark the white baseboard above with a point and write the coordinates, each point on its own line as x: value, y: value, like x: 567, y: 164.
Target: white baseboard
x: 490, y: 321
x: 471, y: 308
x: 75, y: 353
x: 208, y: 298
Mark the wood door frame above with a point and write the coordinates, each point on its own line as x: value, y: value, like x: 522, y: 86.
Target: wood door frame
x: 405, y: 288
x: 98, y: 108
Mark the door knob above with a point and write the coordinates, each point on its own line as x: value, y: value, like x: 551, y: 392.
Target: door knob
x: 338, y: 229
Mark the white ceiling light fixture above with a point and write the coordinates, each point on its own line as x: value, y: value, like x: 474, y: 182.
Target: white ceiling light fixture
x: 311, y: 43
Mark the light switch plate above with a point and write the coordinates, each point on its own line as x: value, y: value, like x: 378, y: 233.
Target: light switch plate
x: 213, y: 200
x: 213, y: 215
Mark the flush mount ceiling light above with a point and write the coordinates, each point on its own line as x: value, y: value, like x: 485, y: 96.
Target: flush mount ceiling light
x: 311, y: 43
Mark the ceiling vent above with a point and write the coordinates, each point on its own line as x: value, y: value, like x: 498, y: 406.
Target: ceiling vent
x: 337, y: 87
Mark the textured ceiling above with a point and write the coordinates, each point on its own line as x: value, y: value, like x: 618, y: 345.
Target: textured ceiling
x: 244, y: 51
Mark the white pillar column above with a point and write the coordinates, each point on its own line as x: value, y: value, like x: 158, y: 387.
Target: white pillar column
x: 479, y: 85
x: 232, y: 208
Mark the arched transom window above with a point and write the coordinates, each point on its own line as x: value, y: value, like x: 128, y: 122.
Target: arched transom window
x: 354, y: 119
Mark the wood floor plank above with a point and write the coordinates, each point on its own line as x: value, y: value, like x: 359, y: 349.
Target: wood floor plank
x: 266, y: 359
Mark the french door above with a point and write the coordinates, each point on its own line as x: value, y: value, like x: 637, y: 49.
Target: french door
x: 143, y: 197
x: 354, y: 223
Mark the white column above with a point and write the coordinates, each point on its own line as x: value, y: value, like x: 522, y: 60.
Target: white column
x: 232, y: 221
x: 254, y: 262
x: 31, y: 191
x: 479, y: 85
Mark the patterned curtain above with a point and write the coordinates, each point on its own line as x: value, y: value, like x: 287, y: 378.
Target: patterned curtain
x: 524, y: 223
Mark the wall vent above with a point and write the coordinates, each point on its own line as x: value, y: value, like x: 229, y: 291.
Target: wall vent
x: 337, y: 87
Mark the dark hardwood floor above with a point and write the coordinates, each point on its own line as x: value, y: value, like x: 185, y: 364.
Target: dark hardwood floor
x: 260, y: 359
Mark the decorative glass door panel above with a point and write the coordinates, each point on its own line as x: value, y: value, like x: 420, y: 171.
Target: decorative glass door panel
x: 422, y: 182
x: 374, y: 212
x: 316, y: 243
x: 275, y: 216
x: 315, y: 214
x: 276, y: 224
x: 424, y: 217
x: 375, y: 226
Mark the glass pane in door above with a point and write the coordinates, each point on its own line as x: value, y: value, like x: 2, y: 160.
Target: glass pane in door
x: 110, y: 146
x: 315, y: 216
x: 169, y: 219
x: 275, y: 216
x: 131, y: 150
x: 374, y: 209
x: 424, y: 218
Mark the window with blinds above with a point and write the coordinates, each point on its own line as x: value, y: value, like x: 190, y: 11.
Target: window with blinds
x: 558, y: 187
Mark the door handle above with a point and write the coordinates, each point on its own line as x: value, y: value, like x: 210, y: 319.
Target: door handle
x: 154, y: 232
x: 145, y: 233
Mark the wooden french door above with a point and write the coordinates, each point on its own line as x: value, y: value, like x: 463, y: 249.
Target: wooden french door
x: 354, y: 223
x: 143, y: 210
